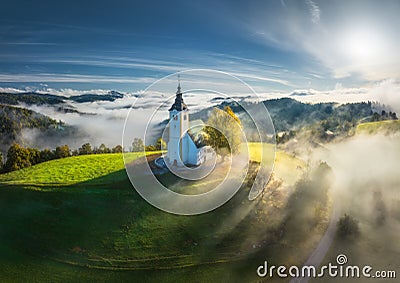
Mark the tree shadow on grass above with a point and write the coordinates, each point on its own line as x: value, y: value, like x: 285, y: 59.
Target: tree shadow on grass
x: 104, y: 223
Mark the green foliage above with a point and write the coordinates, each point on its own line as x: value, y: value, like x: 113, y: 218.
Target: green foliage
x: 30, y: 98
x: 117, y: 149
x: 229, y: 141
x: 308, y: 203
x: 291, y: 115
x: 385, y: 127
x: 70, y: 170
x: 347, y: 227
x: 384, y: 116
x: 34, y: 155
x: 160, y: 144
x: 86, y: 148
x: 101, y: 149
x: 137, y: 145
x: 150, y: 147
x: 62, y: 151
x: 46, y: 155
x: 375, y: 117
x: 14, y: 119
x: 17, y: 158
x: 1, y: 161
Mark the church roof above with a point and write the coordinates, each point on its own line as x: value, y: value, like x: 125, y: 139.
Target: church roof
x: 178, y: 105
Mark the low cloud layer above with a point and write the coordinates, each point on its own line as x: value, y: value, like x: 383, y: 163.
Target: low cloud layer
x: 103, y: 121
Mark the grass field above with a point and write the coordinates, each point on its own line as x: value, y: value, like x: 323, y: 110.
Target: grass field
x: 378, y: 127
x: 69, y: 171
x: 78, y: 218
x: 286, y: 166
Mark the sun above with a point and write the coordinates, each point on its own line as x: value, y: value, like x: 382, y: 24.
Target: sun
x: 362, y: 46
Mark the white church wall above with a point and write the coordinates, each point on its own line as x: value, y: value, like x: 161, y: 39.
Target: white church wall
x: 193, y: 152
x: 178, y: 144
x: 174, y: 136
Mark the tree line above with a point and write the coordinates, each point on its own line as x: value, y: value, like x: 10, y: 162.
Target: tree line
x: 19, y: 157
x: 383, y: 116
x: 138, y: 145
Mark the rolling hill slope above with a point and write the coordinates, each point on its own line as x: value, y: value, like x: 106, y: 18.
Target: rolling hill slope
x: 85, y: 220
x: 384, y: 127
x: 69, y: 171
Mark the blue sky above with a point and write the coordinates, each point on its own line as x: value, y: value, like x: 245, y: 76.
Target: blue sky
x: 275, y: 46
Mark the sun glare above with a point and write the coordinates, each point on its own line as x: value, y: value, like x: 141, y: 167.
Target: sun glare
x: 362, y: 46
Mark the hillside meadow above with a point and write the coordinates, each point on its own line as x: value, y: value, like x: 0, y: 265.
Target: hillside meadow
x: 80, y: 218
x: 390, y: 126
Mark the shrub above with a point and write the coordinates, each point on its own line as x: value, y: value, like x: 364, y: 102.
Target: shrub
x: 347, y: 226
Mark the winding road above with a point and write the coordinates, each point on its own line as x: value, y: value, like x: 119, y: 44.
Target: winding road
x: 319, y: 253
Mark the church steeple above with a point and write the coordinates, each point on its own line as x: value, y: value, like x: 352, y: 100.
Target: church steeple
x: 178, y: 105
x: 179, y: 84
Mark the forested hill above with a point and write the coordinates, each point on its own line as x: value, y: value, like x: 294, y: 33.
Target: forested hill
x: 35, y: 98
x: 14, y: 119
x: 30, y: 98
x: 289, y: 114
x: 322, y: 121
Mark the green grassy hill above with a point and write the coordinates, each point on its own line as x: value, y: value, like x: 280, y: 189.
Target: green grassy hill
x: 78, y: 219
x: 378, y: 127
x: 70, y: 171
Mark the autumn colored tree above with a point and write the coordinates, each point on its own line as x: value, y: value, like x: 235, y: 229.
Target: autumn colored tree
x: 223, y: 131
x: 160, y: 144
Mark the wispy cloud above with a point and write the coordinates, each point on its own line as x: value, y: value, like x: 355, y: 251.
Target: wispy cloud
x: 71, y: 78
x: 314, y: 11
x: 262, y: 78
x: 361, y: 46
x: 249, y: 69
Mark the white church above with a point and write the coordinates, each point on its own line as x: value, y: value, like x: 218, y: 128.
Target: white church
x: 182, y: 149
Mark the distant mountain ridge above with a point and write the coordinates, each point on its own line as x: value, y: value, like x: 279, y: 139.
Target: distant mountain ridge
x: 287, y: 114
x: 290, y: 114
x: 110, y: 96
x: 30, y: 98
x: 36, y: 98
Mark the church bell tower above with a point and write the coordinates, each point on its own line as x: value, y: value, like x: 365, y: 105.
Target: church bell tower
x: 178, y: 125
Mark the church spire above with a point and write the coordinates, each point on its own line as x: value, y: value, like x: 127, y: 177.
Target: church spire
x: 179, y: 105
x: 179, y: 84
